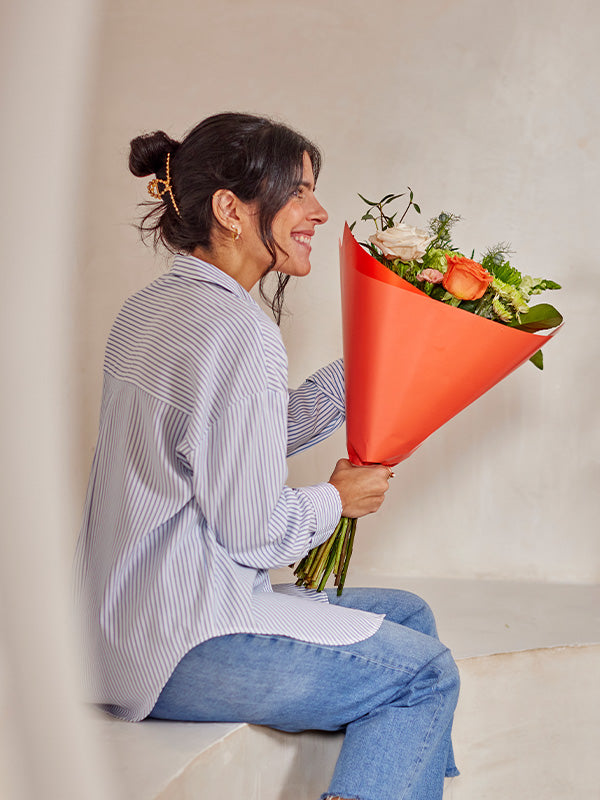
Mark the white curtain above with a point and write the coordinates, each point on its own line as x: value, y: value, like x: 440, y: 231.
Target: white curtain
x: 46, y: 744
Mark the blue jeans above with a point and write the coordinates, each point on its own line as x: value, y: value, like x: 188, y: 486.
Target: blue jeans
x: 393, y: 694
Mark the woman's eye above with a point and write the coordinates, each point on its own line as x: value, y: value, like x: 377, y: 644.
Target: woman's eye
x: 298, y: 192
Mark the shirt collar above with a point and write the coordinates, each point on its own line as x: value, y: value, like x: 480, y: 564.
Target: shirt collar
x: 195, y: 268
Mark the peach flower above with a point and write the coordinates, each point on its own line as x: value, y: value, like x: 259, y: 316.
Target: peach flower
x: 466, y: 279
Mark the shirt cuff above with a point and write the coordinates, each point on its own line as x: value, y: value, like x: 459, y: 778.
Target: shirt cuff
x: 327, y: 505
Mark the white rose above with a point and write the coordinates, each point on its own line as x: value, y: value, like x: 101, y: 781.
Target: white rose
x: 402, y: 241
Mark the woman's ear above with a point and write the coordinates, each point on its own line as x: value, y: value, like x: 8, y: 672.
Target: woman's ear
x: 226, y: 207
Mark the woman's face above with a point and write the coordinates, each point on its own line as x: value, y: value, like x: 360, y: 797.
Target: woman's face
x: 294, y: 225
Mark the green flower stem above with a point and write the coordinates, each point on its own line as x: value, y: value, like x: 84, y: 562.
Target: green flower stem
x: 333, y: 562
x: 321, y: 561
x: 347, y: 558
x: 301, y: 568
x: 305, y: 567
x: 312, y: 557
x: 330, y: 556
x: 329, y: 564
x: 338, y: 571
x: 341, y: 539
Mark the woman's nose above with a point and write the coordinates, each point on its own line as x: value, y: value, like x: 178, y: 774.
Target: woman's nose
x: 319, y: 215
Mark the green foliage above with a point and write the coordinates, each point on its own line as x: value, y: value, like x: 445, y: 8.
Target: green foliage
x: 376, y: 206
x: 506, y: 300
x: 407, y: 270
x: 501, y: 310
x: 496, y: 262
x: 440, y: 228
x: 537, y: 285
x: 537, y: 359
x: 539, y: 318
x: 544, y: 284
x: 435, y: 258
x: 373, y: 251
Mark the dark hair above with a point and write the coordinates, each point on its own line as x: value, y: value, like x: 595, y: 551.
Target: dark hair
x: 255, y: 158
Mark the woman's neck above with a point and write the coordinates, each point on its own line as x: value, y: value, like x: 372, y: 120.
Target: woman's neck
x: 232, y: 259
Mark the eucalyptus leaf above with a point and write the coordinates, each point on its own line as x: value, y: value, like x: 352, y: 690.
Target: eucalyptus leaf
x: 539, y: 318
x: 417, y: 208
x: 352, y: 225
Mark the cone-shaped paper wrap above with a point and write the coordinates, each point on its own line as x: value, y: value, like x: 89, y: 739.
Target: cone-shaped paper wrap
x: 411, y: 363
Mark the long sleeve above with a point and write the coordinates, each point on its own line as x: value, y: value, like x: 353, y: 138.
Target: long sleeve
x: 316, y: 408
x: 261, y: 522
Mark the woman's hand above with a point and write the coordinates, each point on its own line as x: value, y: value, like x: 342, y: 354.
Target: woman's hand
x: 362, y: 489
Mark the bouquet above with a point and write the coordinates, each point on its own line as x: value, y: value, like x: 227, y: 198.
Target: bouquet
x: 429, y: 327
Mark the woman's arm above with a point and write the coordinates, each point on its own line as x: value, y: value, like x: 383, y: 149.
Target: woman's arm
x: 317, y: 408
x: 239, y: 471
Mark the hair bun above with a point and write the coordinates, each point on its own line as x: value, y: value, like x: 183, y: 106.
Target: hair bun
x: 148, y: 153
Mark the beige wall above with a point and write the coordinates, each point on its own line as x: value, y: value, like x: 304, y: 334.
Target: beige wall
x: 485, y: 109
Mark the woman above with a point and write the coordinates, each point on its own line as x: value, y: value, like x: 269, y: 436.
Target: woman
x: 188, y: 507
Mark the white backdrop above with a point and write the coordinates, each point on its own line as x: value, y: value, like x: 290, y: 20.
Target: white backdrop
x: 485, y: 109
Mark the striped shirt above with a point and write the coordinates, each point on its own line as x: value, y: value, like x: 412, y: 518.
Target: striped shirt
x: 187, y: 506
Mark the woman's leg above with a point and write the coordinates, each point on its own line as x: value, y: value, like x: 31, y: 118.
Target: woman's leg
x: 393, y: 693
x: 404, y: 608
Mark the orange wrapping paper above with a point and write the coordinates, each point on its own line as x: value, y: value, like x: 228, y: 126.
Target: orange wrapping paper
x: 412, y: 363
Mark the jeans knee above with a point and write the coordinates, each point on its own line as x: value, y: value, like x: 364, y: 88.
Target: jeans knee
x: 436, y: 678
x: 449, y: 681
x: 422, y: 619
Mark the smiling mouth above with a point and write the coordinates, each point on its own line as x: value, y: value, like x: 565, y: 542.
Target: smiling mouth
x: 302, y: 239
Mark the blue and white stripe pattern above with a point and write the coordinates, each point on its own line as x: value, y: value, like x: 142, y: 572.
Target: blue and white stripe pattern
x: 187, y: 506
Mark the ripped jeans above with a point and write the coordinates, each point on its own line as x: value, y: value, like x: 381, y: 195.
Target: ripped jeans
x: 393, y: 694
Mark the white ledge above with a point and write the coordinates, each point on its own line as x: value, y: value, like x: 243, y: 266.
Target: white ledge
x: 475, y: 618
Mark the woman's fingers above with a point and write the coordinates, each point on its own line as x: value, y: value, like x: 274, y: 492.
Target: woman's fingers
x: 362, y: 489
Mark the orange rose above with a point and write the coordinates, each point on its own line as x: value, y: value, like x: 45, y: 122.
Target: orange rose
x: 466, y: 279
